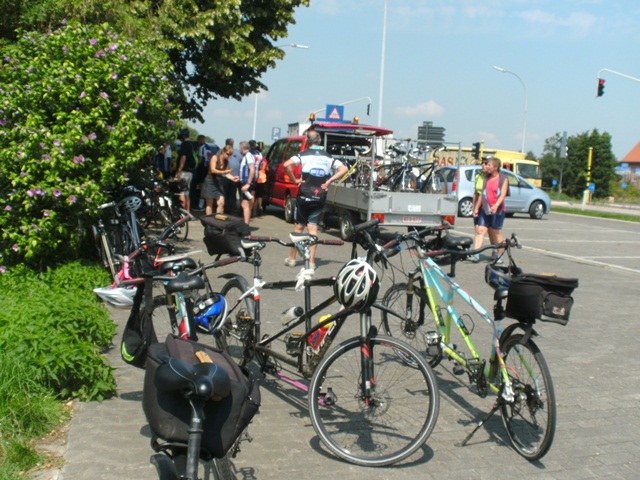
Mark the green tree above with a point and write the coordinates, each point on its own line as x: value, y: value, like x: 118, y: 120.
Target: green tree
x: 218, y: 48
x: 79, y: 108
x: 574, y: 170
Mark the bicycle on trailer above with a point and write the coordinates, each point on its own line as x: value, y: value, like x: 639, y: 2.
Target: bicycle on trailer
x: 373, y: 400
x: 422, y: 311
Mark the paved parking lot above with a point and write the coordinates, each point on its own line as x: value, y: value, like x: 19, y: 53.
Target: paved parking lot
x: 594, y: 363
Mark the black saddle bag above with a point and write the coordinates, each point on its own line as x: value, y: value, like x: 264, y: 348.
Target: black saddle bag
x: 222, y: 234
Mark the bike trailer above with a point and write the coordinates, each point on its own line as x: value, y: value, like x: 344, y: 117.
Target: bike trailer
x: 544, y: 297
x: 222, y: 233
x: 169, y: 413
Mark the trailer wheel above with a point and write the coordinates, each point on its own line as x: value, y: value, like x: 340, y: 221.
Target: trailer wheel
x: 347, y: 222
x: 289, y: 207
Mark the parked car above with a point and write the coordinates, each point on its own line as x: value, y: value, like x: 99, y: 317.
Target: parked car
x: 523, y: 197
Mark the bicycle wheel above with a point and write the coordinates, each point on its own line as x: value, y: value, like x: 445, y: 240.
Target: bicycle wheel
x: 163, y: 324
x: 389, y: 426
x: 531, y: 419
x: 416, y: 319
x: 237, y: 334
x: 222, y: 469
x: 183, y: 230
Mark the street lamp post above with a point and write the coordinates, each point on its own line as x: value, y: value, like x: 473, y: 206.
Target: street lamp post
x: 255, y: 106
x: 524, y: 121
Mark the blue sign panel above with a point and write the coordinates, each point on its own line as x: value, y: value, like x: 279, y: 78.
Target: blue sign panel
x: 335, y: 113
x: 275, y: 133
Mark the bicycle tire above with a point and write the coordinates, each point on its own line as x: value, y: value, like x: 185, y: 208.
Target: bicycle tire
x: 164, y: 466
x: 411, y: 330
x: 530, y: 420
x: 238, y: 332
x: 182, y: 233
x: 163, y: 324
x: 392, y: 427
x: 222, y: 469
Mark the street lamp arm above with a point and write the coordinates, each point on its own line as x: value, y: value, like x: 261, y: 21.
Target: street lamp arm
x: 617, y: 73
x: 524, y: 122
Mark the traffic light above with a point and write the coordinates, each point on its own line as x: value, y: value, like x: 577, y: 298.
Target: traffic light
x: 600, y: 87
x: 475, y: 151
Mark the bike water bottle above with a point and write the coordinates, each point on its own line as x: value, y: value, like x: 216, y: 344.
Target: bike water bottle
x: 247, y: 194
x: 315, y: 340
x: 291, y: 314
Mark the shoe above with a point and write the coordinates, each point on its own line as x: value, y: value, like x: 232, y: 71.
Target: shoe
x: 312, y: 266
x: 289, y: 262
x: 474, y: 258
x: 499, y: 261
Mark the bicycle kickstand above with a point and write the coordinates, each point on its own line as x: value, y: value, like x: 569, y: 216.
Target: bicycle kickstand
x: 493, y: 410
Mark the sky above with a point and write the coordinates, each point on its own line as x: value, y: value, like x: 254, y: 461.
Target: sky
x: 437, y: 65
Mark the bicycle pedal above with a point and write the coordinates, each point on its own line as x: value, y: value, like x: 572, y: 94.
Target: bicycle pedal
x: 269, y: 368
x: 458, y: 369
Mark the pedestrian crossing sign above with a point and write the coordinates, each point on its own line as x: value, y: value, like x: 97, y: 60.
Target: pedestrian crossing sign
x: 335, y: 112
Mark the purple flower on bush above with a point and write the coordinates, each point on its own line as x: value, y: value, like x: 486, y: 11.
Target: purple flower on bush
x: 109, y: 127
x: 93, y: 41
x: 56, y: 142
x: 72, y: 198
x: 78, y: 160
x: 100, y: 53
x: 23, y: 174
x: 104, y: 95
x: 14, y: 247
x: 83, y: 94
x: 3, y: 269
x: 65, y: 48
x: 113, y: 47
x: 38, y: 191
x: 46, y: 213
x: 170, y: 122
x: 84, y: 139
x: 123, y: 57
x: 42, y: 145
x: 56, y: 192
x: 139, y: 100
x: 92, y: 136
x: 114, y: 76
x: 46, y: 156
x: 8, y: 208
x: 30, y: 193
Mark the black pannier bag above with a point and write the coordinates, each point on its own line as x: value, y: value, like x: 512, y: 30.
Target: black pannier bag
x: 222, y: 233
x: 544, y: 297
x: 169, y: 413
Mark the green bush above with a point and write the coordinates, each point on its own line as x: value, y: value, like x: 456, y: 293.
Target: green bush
x: 80, y: 108
x: 53, y: 323
x: 28, y: 410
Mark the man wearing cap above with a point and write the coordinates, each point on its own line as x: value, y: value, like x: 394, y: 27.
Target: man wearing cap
x: 186, y: 166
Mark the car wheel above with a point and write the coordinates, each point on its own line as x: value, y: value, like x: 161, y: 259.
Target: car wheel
x: 289, y: 207
x: 509, y: 214
x: 536, y: 210
x: 465, y: 207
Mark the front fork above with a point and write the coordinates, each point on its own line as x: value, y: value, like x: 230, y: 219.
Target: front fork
x: 367, y: 332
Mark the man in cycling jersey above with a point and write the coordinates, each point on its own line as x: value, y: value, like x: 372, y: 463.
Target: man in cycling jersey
x: 247, y: 177
x: 319, y: 170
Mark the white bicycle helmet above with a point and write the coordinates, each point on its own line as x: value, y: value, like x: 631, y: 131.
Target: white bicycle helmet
x: 118, y: 297
x: 357, y: 285
x: 130, y: 203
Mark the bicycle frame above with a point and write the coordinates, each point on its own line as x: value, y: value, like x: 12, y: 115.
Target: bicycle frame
x: 436, y: 280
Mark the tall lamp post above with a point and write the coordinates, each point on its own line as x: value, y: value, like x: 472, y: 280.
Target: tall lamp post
x: 255, y: 107
x: 524, y: 121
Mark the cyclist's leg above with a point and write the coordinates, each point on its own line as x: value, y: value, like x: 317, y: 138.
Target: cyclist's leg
x: 389, y: 425
x: 531, y: 419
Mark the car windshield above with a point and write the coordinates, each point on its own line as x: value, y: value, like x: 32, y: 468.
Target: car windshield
x: 529, y: 171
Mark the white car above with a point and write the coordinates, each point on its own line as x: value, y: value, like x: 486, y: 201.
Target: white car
x: 523, y: 197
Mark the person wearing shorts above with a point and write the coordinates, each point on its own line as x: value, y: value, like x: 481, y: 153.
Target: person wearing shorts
x: 319, y: 170
x: 491, y: 210
x: 186, y: 166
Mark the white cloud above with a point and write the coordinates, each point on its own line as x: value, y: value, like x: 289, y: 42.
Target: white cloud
x: 579, y: 21
x: 425, y: 109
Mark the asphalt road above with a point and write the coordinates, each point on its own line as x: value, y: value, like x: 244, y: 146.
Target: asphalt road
x: 594, y: 362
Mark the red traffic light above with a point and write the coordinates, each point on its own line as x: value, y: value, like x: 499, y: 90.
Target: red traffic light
x: 600, y: 87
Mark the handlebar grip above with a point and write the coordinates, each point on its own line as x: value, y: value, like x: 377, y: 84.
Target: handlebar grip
x: 261, y: 238
x: 363, y: 226
x: 107, y: 205
x: 390, y: 252
x: 516, y: 240
x: 331, y: 242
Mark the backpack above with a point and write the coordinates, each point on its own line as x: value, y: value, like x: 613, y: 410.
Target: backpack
x: 169, y: 414
x: 138, y: 332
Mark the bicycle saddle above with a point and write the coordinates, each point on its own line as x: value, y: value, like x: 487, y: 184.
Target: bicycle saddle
x: 181, y: 264
x: 184, y: 282
x: 202, y: 379
x: 453, y: 242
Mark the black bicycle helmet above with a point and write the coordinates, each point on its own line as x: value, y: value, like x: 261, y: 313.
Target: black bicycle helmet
x: 497, y: 276
x: 357, y: 285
